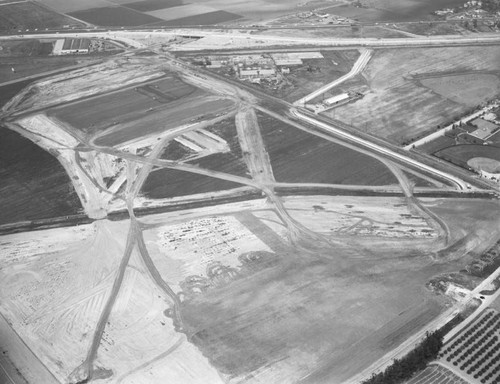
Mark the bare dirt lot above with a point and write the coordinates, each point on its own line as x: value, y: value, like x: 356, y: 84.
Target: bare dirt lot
x: 466, y: 89
x: 254, y: 308
x: 394, y: 90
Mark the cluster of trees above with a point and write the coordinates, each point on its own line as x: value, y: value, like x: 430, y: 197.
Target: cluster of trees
x: 491, y: 5
x: 403, y: 369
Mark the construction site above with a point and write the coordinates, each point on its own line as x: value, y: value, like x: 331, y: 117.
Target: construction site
x: 248, y: 215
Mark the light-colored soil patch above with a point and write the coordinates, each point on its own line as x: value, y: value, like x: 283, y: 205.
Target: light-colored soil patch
x: 140, y: 340
x: 485, y: 164
x: 384, y: 217
x: 467, y: 89
x: 397, y: 107
x: 53, y: 285
x: 194, y: 247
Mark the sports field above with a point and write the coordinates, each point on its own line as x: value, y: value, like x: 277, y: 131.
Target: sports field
x: 461, y: 154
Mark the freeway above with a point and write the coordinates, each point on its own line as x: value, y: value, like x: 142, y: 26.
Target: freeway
x: 379, y: 149
x: 233, y: 39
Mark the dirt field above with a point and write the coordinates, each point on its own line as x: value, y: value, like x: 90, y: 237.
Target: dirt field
x: 369, y: 216
x: 485, y: 164
x: 33, y: 184
x: 254, y: 308
x: 300, y: 157
x: 54, y: 301
x: 469, y: 90
x: 30, y: 15
x: 393, y: 90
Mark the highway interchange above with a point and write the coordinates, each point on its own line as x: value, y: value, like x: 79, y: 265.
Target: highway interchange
x: 290, y: 113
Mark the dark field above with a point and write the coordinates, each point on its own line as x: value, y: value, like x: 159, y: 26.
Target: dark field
x: 209, y: 18
x: 30, y: 15
x: 7, y: 92
x: 166, y: 183
x: 223, y: 162
x: 311, y: 309
x: 153, y: 5
x: 114, y: 17
x: 28, y: 47
x: 460, y: 154
x: 33, y: 184
x: 231, y: 162
x: 180, y: 112
x: 99, y: 113
x: 29, y: 66
x: 175, y: 151
x: 436, y: 145
x: 299, y: 157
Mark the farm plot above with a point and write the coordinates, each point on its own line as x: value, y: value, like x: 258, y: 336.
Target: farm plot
x: 300, y: 157
x: 475, y: 350
x: 461, y: 154
x: 30, y: 15
x: 358, y: 216
x: 392, y: 77
x: 85, y: 82
x: 152, y: 5
x: 168, y: 183
x: 123, y: 106
x: 216, y: 148
x: 467, y: 89
x: 33, y: 184
x: 436, y: 374
x: 181, y: 112
x: 209, y: 18
x: 114, y: 17
x: 65, y: 6
x: 29, y: 66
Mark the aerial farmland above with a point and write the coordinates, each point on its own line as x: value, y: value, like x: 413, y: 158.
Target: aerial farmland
x: 221, y: 192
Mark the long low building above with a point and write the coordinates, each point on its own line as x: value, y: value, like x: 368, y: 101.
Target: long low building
x: 336, y: 99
